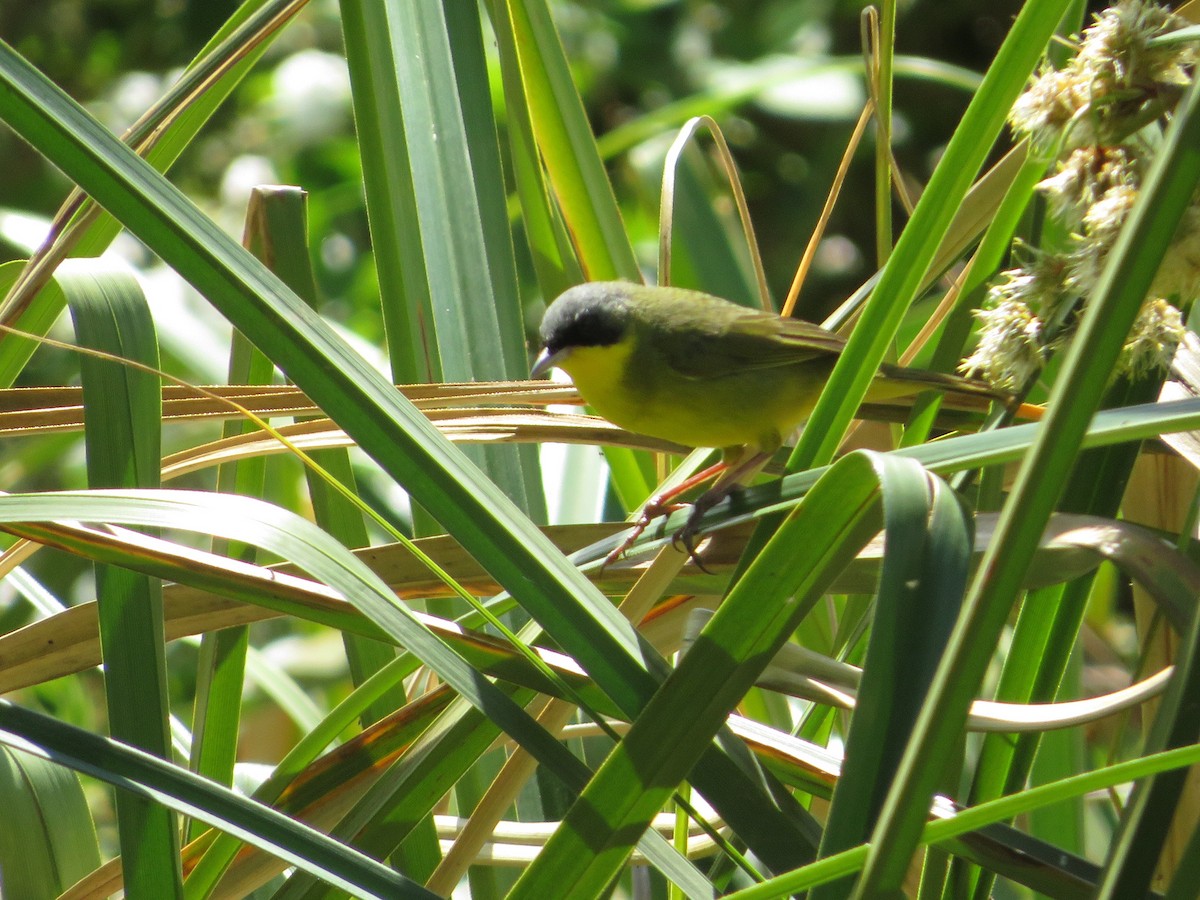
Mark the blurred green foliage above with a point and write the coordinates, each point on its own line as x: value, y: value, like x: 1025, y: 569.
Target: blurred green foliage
x: 290, y: 122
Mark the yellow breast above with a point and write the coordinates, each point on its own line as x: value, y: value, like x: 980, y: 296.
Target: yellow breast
x: 758, y: 407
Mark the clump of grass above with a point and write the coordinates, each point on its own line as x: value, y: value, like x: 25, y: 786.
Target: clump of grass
x: 1098, y: 119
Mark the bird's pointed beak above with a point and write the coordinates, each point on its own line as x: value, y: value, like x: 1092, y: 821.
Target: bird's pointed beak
x: 545, y: 362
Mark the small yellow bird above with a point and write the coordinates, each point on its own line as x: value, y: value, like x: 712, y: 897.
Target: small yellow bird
x: 691, y: 368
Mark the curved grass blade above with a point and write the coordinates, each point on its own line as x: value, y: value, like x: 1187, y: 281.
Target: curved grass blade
x: 1123, y: 285
x: 56, y: 844
x: 1048, y: 623
x: 1136, y: 848
x: 836, y: 519
x: 385, y: 816
x: 168, y: 785
x: 1006, y: 445
x: 286, y: 535
x: 923, y: 577
x: 301, y: 779
x: 438, y: 757
x: 67, y: 642
x: 850, y: 861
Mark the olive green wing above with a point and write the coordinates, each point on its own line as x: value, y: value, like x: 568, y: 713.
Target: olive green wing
x: 750, y: 340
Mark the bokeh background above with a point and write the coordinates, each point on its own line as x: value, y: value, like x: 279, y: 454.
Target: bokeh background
x: 290, y: 121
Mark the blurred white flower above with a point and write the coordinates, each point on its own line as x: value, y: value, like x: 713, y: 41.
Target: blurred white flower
x: 1152, y: 340
x: 1009, y: 353
x: 311, y: 95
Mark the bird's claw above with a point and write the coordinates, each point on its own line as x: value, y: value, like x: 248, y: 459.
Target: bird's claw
x: 685, y: 536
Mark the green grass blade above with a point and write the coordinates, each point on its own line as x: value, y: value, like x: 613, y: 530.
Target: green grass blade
x: 284, y: 231
x: 292, y: 538
x: 390, y: 192
x: 836, y: 519
x: 170, y: 786
x: 567, y: 146
x: 277, y: 233
x: 924, y: 575
x: 122, y: 411
x: 56, y: 843
x: 209, y: 80
x: 429, y: 61
x: 994, y: 247
x: 288, y: 536
x: 210, y: 868
x: 1049, y: 621
x: 408, y: 792
x: 546, y: 235
x: 1127, y: 276
x: 382, y: 422
x: 1133, y: 856
x: 849, y: 861
x: 918, y: 242
x: 1006, y: 445
x: 173, y: 122
x: 37, y: 319
x: 221, y: 666
x: 454, y: 65
x: 583, y: 197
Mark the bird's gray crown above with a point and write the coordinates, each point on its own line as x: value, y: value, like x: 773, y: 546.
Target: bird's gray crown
x: 587, y: 315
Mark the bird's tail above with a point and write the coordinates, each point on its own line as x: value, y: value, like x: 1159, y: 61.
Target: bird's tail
x: 898, y: 381
x: 966, y: 394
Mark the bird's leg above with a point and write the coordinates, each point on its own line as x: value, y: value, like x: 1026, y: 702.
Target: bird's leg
x: 737, y: 471
x: 660, y: 504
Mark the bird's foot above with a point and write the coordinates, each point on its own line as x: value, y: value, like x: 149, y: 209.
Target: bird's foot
x: 656, y: 506
x: 662, y: 503
x: 686, y: 536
